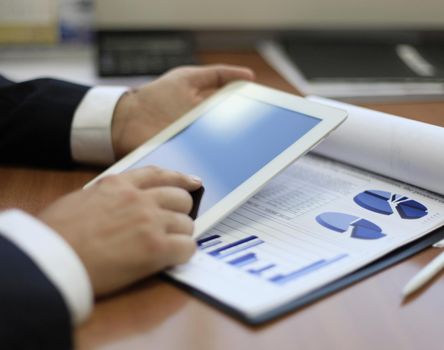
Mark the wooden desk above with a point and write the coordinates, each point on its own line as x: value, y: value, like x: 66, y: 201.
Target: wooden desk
x: 156, y: 315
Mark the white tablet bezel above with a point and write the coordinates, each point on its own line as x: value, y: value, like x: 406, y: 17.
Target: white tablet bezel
x: 330, y: 118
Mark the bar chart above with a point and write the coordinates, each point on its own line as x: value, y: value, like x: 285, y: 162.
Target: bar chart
x: 294, y: 240
x: 243, y: 254
x: 236, y: 247
x: 282, y: 279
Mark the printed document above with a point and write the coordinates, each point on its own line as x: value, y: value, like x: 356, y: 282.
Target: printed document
x: 314, y: 223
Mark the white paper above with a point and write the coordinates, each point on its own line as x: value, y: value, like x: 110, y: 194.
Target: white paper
x: 400, y: 148
x: 283, y: 217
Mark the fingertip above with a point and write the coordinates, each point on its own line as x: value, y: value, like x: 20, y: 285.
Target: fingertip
x: 232, y: 73
x: 248, y: 74
x: 188, y: 182
x: 195, y: 180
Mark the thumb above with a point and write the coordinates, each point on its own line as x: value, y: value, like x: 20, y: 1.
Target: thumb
x: 216, y: 76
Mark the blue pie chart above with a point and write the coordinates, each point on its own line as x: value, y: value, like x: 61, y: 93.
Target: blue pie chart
x: 383, y: 202
x: 360, y: 228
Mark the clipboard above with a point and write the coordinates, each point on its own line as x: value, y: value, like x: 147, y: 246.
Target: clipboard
x: 371, y: 269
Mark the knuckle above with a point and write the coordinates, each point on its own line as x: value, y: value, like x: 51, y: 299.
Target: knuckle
x: 129, y: 195
x: 188, y: 225
x: 154, y: 242
x: 176, y: 179
x: 153, y: 167
x: 181, y: 178
x: 176, y: 175
x: 109, y: 180
x: 146, y: 217
x: 174, y: 71
x: 181, y: 69
x: 155, y: 170
x: 189, y: 248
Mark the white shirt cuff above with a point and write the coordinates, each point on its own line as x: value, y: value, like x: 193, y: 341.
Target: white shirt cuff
x: 55, y: 258
x: 91, y: 126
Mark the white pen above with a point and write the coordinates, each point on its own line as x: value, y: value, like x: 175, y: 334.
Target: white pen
x: 439, y: 244
x: 424, y: 276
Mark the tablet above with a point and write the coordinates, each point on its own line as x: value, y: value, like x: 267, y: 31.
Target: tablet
x: 236, y: 141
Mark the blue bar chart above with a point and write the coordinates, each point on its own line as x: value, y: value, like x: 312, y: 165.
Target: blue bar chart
x: 259, y: 270
x: 243, y: 254
x: 236, y: 247
x: 209, y: 241
x: 244, y: 260
x: 282, y: 279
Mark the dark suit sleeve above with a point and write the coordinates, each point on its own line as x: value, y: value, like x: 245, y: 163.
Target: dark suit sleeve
x: 33, y: 314
x: 35, y: 121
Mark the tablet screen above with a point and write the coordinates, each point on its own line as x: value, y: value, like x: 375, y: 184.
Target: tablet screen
x: 229, y: 143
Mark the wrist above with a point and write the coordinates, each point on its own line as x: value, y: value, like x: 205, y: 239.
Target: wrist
x: 123, y: 111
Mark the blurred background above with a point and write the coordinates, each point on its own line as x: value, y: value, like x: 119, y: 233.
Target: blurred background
x: 329, y: 47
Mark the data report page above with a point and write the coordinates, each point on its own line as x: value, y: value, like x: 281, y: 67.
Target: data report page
x: 314, y: 223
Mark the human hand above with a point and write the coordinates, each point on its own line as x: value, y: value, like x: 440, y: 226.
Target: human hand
x: 128, y: 226
x: 143, y: 112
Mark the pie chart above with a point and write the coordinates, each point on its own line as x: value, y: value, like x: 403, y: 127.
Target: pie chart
x: 387, y: 203
x: 360, y: 228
